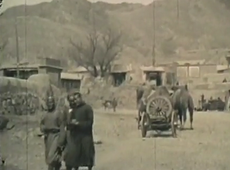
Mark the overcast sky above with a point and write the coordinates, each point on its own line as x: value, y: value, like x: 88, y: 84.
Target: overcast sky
x: 10, y: 3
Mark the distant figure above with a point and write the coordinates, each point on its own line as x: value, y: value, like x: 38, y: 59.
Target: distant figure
x: 227, y: 101
x: 211, y: 99
x: 186, y: 87
x: 225, y: 80
x: 3, y: 122
x: 88, y: 91
x: 220, y: 104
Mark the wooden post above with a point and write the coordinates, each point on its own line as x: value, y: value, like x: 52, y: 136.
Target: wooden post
x: 17, y: 45
x: 154, y: 34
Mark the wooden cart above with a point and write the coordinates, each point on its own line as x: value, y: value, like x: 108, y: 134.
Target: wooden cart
x: 159, y: 116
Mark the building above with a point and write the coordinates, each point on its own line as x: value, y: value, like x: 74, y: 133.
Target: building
x: 153, y: 73
x: 80, y: 71
x: 120, y: 73
x: 71, y: 81
x: 189, y: 68
x: 49, y: 66
x: 190, y: 71
x: 222, y: 68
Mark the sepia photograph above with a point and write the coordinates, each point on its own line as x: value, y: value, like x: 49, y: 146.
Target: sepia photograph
x: 114, y: 84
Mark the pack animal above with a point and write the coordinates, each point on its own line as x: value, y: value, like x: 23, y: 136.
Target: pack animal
x: 107, y: 104
x: 182, y: 100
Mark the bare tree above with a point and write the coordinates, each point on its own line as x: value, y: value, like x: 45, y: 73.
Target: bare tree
x: 2, y: 47
x: 98, y: 53
x: 1, y: 3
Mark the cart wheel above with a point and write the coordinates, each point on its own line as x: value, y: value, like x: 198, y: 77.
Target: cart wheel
x: 143, y: 127
x: 159, y: 106
x: 173, y: 124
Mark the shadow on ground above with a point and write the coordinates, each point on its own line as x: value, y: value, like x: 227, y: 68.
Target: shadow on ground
x: 9, y: 167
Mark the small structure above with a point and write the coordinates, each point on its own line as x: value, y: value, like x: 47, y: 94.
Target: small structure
x: 222, y: 68
x: 80, y: 71
x: 71, y: 81
x: 192, y: 71
x: 153, y: 73
x: 25, y: 71
x: 49, y: 66
x: 120, y: 74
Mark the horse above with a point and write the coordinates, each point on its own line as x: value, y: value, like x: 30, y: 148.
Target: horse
x: 182, y: 100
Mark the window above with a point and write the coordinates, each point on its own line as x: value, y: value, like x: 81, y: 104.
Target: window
x: 194, y: 71
x: 182, y: 72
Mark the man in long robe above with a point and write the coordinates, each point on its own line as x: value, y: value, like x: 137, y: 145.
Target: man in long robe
x: 52, y: 126
x: 79, y: 150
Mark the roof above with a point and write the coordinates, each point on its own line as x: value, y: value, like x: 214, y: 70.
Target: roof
x: 14, y: 67
x: 71, y: 76
x: 120, y: 68
x: 152, y: 68
x: 190, y: 62
x: 221, y: 67
x: 78, y: 70
x: 27, y: 67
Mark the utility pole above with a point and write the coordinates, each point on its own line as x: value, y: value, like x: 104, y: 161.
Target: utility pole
x: 154, y: 34
x: 178, y: 10
x: 17, y: 45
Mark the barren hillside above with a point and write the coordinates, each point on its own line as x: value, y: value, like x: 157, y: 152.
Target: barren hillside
x: 49, y: 26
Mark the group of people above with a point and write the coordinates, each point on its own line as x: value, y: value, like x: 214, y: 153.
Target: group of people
x: 210, y: 104
x: 18, y: 103
x: 68, y: 134
x: 214, y: 104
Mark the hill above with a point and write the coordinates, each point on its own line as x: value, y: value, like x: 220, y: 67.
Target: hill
x: 202, y: 24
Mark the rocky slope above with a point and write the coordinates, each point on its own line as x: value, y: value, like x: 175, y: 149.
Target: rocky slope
x: 45, y: 29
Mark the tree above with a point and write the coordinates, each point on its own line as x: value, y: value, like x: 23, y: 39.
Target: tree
x: 98, y: 53
x: 1, y: 3
x: 2, y: 47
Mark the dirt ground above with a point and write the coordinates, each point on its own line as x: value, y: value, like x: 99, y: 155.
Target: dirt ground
x: 206, y: 147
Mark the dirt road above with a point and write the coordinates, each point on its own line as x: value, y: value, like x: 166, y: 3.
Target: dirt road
x: 206, y: 147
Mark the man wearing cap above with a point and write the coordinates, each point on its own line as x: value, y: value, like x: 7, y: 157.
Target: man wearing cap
x: 79, y: 150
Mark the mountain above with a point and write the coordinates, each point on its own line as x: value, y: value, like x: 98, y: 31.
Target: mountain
x: 48, y: 27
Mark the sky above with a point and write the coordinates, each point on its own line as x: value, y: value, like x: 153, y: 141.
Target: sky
x: 11, y: 3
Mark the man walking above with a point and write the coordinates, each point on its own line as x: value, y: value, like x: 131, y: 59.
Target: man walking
x: 79, y: 150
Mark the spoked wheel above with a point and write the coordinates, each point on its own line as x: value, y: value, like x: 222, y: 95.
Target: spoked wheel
x: 144, y: 125
x: 174, y: 124
x: 159, y: 107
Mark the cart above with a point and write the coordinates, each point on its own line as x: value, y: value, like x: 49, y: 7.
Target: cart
x: 159, y: 116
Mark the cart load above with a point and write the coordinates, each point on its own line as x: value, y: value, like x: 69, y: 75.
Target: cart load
x: 159, y: 115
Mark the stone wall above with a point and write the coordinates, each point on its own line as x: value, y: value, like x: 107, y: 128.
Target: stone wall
x: 24, y: 96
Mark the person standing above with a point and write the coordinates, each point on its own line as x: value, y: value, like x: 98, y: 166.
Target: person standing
x: 227, y: 101
x: 52, y: 126
x: 79, y: 149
